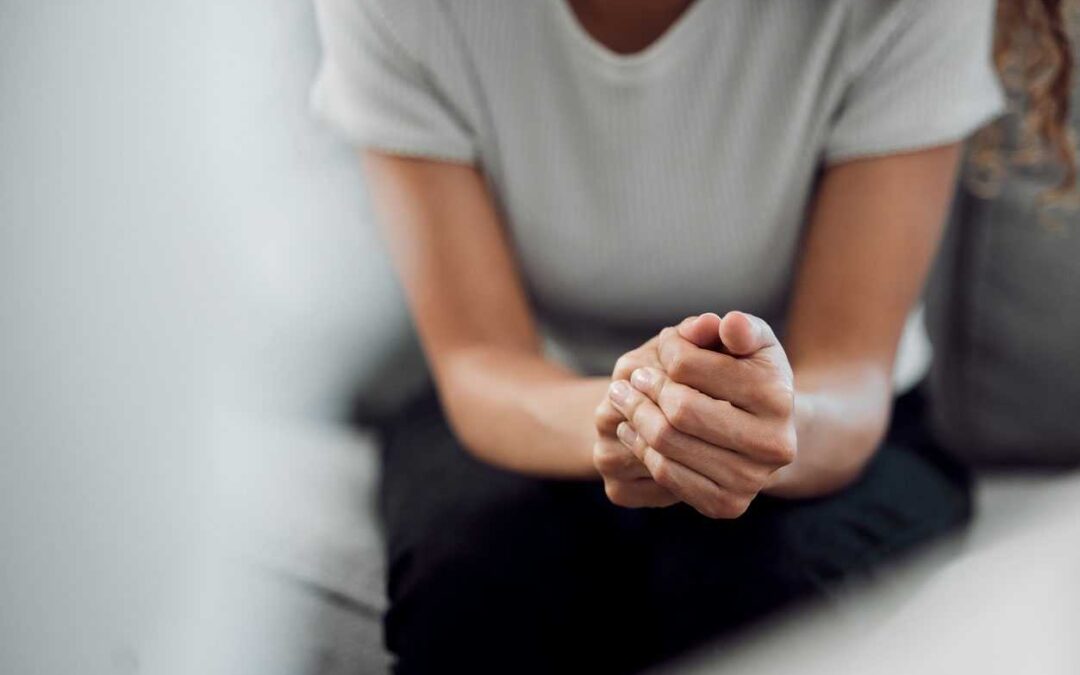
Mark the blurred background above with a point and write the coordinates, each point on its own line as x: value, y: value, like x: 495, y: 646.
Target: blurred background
x: 188, y: 290
x: 192, y: 300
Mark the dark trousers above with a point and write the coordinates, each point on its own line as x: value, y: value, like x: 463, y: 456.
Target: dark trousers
x: 491, y: 571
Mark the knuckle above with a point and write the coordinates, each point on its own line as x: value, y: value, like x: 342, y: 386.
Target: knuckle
x: 679, y: 365
x: 661, y: 473
x: 737, y: 505
x: 780, y: 448
x: 610, y: 457
x: 606, y: 463
x: 623, y: 366
x: 789, y: 447
x: 664, y: 436
x: 725, y: 506
x: 616, y: 493
x: 714, y: 507
x: 641, y: 419
x: 766, y: 448
x: 602, y: 458
x: 778, y: 399
x: 709, y: 510
x: 606, y: 426
x: 603, y: 415
x: 679, y: 409
x: 761, y: 475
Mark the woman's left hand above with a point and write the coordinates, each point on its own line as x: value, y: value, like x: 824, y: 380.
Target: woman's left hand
x: 716, y: 420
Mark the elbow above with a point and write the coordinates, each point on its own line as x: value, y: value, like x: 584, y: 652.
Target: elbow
x: 833, y: 466
x: 860, y: 447
x: 460, y: 417
x: 862, y: 442
x: 463, y: 406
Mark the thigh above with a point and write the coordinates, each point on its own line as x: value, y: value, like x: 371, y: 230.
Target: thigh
x: 709, y: 576
x: 488, y: 569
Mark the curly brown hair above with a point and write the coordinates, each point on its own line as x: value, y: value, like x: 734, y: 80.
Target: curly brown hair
x: 1033, y: 53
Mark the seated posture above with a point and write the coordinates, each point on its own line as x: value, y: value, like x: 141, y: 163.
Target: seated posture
x: 660, y: 254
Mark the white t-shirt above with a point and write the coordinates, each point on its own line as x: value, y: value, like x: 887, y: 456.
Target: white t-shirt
x: 638, y: 189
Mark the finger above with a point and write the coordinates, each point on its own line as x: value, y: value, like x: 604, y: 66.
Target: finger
x: 640, y: 493
x: 624, y: 399
x: 675, y: 411
x: 729, y: 470
x: 703, y: 330
x: 645, y: 418
x: 613, y: 459
x: 663, y: 429
x: 647, y: 427
x: 705, y: 496
x: 758, y: 386
x: 607, y: 418
x: 645, y: 355
x: 744, y: 334
x: 653, y: 433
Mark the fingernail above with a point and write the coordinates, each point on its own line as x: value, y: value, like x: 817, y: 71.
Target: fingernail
x: 619, y: 391
x: 642, y: 378
x: 626, y: 434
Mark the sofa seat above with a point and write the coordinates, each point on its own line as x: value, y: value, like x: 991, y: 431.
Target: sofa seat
x: 1002, y: 597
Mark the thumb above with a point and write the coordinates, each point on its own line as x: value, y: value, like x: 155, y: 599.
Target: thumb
x: 703, y: 330
x: 744, y: 334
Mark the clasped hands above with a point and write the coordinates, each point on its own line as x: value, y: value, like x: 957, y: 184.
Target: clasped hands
x: 703, y: 413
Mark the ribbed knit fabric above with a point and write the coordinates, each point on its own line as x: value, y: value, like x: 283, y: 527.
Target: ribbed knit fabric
x: 639, y: 189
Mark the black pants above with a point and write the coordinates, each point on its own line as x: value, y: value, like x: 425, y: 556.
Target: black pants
x: 491, y: 571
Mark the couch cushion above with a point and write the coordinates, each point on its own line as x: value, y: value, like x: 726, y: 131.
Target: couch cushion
x: 999, y: 599
x: 1004, y: 317
x: 301, y: 497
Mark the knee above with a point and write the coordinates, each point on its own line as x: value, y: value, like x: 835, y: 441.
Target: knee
x: 493, y: 536
x: 481, y: 570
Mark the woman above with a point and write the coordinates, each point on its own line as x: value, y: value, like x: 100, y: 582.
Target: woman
x: 666, y: 244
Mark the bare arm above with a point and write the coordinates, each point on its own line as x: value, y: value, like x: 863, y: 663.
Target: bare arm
x: 506, y: 402
x: 874, y: 228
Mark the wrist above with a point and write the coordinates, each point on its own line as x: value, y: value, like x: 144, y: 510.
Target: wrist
x: 831, y: 454
x: 564, y: 412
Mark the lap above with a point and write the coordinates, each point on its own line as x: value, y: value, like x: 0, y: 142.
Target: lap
x: 548, y: 549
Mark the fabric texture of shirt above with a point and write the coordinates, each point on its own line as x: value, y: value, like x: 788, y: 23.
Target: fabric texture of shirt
x: 639, y: 189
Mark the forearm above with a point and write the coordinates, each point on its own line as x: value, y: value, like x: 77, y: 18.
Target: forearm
x: 872, y: 233
x: 841, y: 415
x: 522, y: 412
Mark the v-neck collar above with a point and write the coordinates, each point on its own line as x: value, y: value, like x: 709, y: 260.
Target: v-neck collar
x: 662, y: 49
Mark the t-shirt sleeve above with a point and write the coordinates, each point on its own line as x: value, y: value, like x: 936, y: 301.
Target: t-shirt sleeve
x: 374, y: 90
x: 929, y: 81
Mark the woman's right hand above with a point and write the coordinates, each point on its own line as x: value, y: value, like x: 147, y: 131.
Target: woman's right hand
x: 627, y: 481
